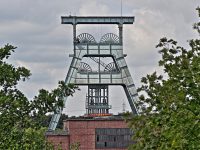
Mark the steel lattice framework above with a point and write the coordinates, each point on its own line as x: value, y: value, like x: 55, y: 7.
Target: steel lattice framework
x: 114, y: 73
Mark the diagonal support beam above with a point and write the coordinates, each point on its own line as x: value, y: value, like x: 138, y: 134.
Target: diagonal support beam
x: 98, y: 61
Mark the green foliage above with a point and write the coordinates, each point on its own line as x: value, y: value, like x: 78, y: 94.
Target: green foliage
x: 170, y: 108
x: 21, y: 119
x: 75, y: 146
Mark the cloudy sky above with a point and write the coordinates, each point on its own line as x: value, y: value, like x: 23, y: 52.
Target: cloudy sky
x: 44, y: 44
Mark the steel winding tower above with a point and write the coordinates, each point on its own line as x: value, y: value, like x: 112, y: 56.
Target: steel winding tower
x: 114, y: 73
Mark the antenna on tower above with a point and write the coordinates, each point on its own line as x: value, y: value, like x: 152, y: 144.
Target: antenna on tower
x: 121, y: 7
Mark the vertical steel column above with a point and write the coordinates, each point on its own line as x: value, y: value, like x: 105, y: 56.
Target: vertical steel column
x: 120, y: 26
x: 74, y: 36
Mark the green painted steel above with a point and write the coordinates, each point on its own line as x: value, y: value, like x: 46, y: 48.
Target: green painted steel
x: 110, y: 45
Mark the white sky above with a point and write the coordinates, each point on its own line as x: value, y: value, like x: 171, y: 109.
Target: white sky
x: 44, y: 44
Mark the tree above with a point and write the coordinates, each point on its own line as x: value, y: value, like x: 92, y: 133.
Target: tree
x: 170, y: 107
x: 75, y: 146
x: 20, y: 118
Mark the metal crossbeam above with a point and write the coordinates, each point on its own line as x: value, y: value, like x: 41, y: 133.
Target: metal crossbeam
x: 98, y: 61
x: 97, y: 20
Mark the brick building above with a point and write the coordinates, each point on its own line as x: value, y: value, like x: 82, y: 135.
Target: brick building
x: 93, y: 134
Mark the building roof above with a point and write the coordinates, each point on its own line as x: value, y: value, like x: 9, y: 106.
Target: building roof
x: 57, y: 132
x: 105, y: 118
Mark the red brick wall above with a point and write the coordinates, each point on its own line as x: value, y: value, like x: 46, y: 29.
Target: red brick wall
x: 83, y: 131
x: 59, y: 140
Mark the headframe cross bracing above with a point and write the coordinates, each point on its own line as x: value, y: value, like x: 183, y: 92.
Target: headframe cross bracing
x: 114, y: 73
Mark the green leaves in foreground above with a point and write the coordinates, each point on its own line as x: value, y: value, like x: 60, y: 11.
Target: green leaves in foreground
x: 170, y: 108
x: 21, y: 119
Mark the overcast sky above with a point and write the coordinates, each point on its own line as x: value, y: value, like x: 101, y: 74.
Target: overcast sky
x: 44, y: 44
